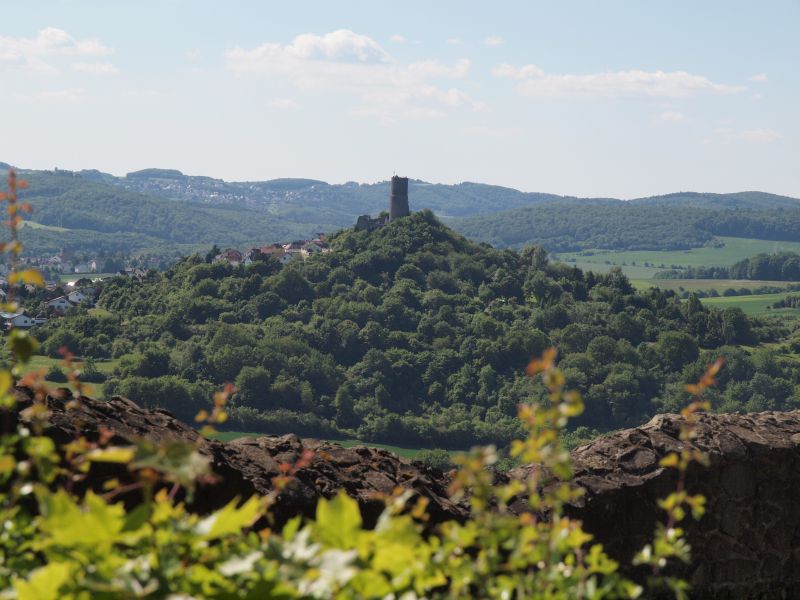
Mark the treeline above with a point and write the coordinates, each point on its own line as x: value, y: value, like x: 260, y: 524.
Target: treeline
x: 782, y: 266
x: 575, y: 225
x: 416, y: 336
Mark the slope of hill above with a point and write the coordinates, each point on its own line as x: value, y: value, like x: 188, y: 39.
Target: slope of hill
x: 673, y: 222
x: 412, y: 335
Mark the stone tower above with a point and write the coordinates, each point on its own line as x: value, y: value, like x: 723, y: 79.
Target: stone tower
x: 398, y: 201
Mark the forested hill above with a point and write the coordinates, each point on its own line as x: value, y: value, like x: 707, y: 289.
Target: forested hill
x: 673, y: 222
x: 415, y: 335
x: 164, y: 210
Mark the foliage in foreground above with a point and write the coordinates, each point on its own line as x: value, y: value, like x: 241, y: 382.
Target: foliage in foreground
x: 55, y: 543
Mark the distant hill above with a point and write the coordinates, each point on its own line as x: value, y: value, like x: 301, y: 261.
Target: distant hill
x: 670, y: 222
x: 166, y: 211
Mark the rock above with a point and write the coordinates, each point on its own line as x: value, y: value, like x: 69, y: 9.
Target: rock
x: 748, y: 543
x: 746, y: 546
x: 248, y: 465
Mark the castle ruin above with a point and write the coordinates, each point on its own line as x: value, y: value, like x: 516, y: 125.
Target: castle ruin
x: 398, y: 207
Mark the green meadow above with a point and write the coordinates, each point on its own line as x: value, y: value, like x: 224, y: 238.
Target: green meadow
x: 759, y: 305
x: 227, y: 436
x: 46, y: 362
x: 632, y: 262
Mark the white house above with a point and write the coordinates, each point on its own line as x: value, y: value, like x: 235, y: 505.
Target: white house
x: 60, y: 304
x: 311, y: 248
x: 17, y: 320
x: 77, y: 296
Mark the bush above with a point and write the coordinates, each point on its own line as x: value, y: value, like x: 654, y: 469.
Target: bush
x: 56, y: 374
x: 435, y: 459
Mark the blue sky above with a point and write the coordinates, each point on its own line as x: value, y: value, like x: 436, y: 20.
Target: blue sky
x: 620, y: 99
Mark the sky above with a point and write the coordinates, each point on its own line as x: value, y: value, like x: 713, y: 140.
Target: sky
x: 612, y: 98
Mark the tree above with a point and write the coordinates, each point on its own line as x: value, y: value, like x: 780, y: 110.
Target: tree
x: 345, y: 413
x: 253, y: 385
x: 676, y: 349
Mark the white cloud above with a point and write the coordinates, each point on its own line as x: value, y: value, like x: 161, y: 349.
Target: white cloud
x: 511, y: 72
x: 673, y: 116
x: 95, y: 68
x: 454, y: 41
x: 347, y: 62
x: 61, y: 96
x: 494, y: 40
x: 283, y: 103
x: 759, y: 77
x: 759, y: 136
x: 493, y: 132
x: 146, y: 94
x: 398, y: 38
x: 49, y: 45
x: 192, y: 54
x: 674, y: 84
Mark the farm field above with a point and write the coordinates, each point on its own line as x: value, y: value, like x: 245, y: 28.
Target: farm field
x: 720, y: 285
x: 632, y: 262
x: 759, y: 305
x: 72, y: 277
x: 734, y: 250
x: 227, y: 436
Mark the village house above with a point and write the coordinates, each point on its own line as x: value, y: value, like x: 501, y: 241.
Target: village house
x: 231, y: 256
x: 312, y: 247
x: 60, y: 305
x: 78, y: 296
x: 17, y: 319
x: 134, y: 273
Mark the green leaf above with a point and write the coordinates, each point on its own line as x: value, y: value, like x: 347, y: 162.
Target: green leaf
x: 94, y: 525
x: 44, y: 583
x: 229, y: 519
x: 112, y: 454
x: 21, y: 344
x: 178, y: 461
x: 338, y: 521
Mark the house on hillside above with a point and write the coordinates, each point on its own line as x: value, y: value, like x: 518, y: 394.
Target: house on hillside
x: 276, y: 251
x: 60, y: 305
x: 313, y: 247
x: 231, y: 256
x: 78, y: 296
x: 18, y: 319
x: 134, y: 273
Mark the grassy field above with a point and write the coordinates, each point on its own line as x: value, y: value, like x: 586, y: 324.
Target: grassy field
x: 720, y: 285
x: 759, y: 305
x: 632, y: 262
x: 46, y: 362
x: 67, y: 277
x: 227, y: 436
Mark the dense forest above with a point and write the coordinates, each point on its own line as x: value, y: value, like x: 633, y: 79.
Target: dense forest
x: 781, y: 266
x: 574, y: 225
x: 414, y: 335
